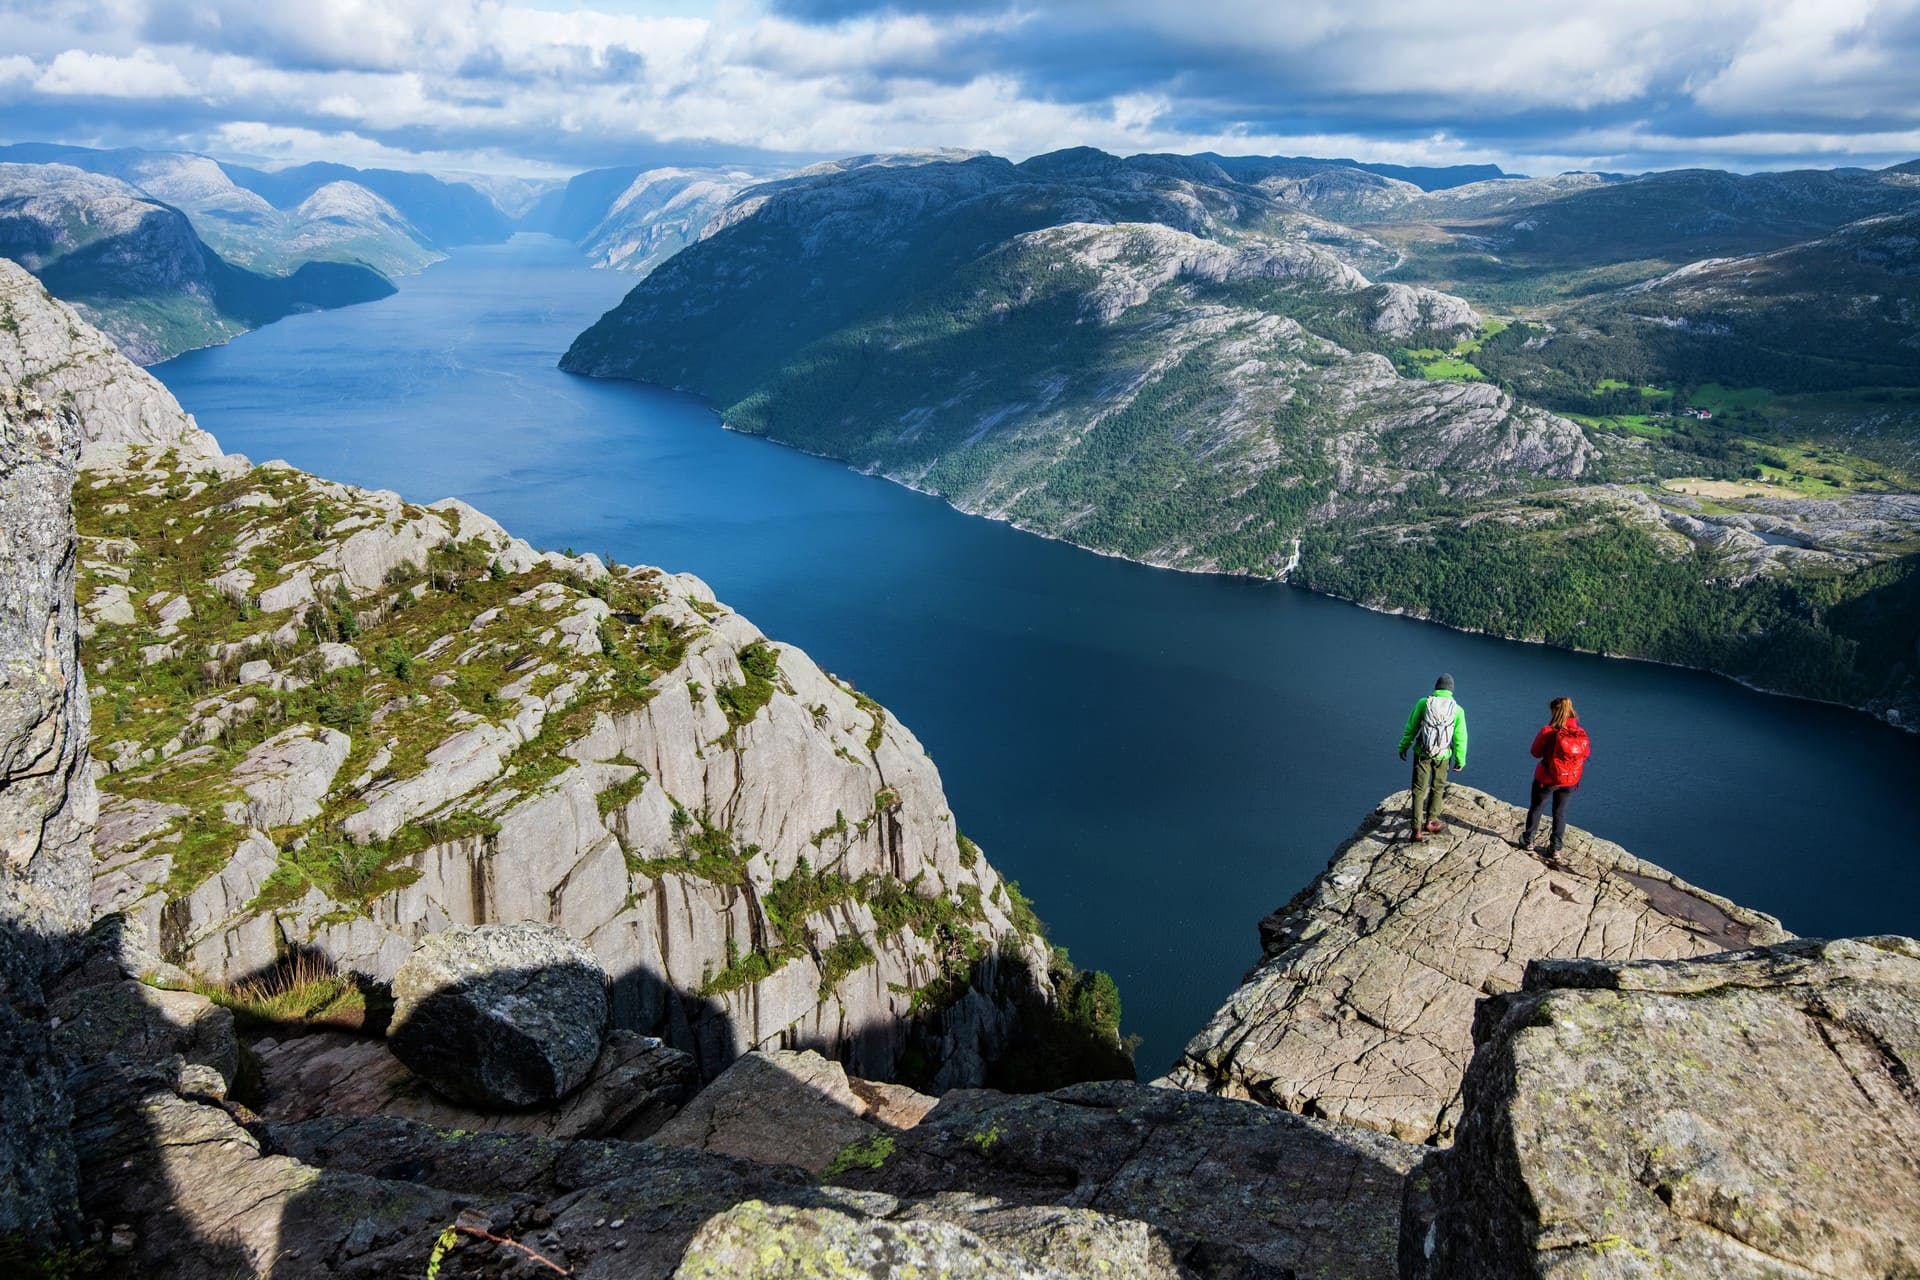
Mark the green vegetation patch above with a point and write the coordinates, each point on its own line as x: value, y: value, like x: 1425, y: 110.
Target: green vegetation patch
x: 760, y: 667
x: 1452, y: 369
x: 302, y: 993
x: 744, y: 970
x: 805, y: 893
x: 707, y: 851
x: 847, y: 953
x: 623, y: 793
x: 862, y: 1153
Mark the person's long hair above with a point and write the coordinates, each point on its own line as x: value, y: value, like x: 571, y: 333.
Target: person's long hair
x: 1561, y: 709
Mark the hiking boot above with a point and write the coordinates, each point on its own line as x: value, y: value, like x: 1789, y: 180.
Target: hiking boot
x: 1418, y: 836
x: 1436, y: 826
x: 1522, y: 842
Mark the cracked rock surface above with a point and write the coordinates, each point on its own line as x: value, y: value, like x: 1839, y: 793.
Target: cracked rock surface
x: 1363, y: 1008
x: 1747, y: 1114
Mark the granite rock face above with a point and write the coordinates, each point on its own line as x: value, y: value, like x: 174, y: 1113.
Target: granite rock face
x: 404, y: 719
x: 1745, y: 1114
x: 47, y: 802
x: 500, y: 1015
x: 1362, y: 1010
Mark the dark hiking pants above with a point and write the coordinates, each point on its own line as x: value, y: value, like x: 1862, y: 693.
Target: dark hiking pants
x: 1539, y: 797
x: 1429, y: 788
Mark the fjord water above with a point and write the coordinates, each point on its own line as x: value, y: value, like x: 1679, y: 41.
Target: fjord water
x: 1158, y: 758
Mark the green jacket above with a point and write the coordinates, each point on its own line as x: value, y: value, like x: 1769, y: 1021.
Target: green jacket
x: 1419, y: 713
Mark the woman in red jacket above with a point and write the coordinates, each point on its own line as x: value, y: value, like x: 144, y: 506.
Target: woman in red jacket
x: 1562, y: 749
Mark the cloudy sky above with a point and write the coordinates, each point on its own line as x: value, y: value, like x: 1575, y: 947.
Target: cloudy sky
x: 539, y: 88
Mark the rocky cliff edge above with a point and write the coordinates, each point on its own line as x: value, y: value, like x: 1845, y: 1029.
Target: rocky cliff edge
x: 1362, y: 1009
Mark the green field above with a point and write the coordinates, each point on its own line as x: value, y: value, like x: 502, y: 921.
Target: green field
x: 1452, y: 365
x: 1616, y: 384
x: 1451, y: 368
x: 1638, y: 424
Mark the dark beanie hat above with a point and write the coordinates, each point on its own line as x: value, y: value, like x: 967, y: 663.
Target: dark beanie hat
x: 1444, y: 682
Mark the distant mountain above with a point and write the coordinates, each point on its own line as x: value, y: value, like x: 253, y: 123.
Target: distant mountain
x: 1196, y: 367
x: 394, y: 222
x: 1548, y: 239
x: 632, y: 218
x: 513, y: 196
x: 446, y: 213
x: 1425, y: 177
x: 1823, y: 335
x: 135, y: 267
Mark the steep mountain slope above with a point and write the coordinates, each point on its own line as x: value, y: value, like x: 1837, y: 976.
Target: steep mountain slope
x: 791, y: 262
x: 135, y: 266
x: 1150, y: 357
x: 333, y: 721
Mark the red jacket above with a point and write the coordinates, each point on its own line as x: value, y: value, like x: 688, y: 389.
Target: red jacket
x: 1560, y: 766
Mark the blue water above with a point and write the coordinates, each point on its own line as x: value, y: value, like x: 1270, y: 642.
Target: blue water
x: 1159, y: 758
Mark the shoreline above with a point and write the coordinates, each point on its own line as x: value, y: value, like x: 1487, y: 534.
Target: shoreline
x: 1283, y: 581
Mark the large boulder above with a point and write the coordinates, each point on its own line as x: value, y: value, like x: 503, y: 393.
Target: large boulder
x: 500, y: 1015
x: 1748, y: 1114
x: 759, y: 1241
x: 1363, y: 1008
x: 145, y: 1024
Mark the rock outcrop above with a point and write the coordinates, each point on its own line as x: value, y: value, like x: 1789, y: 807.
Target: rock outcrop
x: 1363, y: 1008
x: 503, y: 1015
x: 47, y: 350
x: 46, y: 793
x: 342, y: 722
x: 1746, y: 1114
x: 795, y: 1108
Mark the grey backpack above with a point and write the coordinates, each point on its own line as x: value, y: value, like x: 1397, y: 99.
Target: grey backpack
x: 1436, y: 728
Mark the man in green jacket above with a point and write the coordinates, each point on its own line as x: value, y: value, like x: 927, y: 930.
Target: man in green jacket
x: 1437, y: 732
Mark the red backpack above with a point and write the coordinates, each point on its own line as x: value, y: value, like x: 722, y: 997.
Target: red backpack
x: 1569, y: 755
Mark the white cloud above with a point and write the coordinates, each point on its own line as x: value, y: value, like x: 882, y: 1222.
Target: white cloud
x: 78, y: 73
x: 18, y: 69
